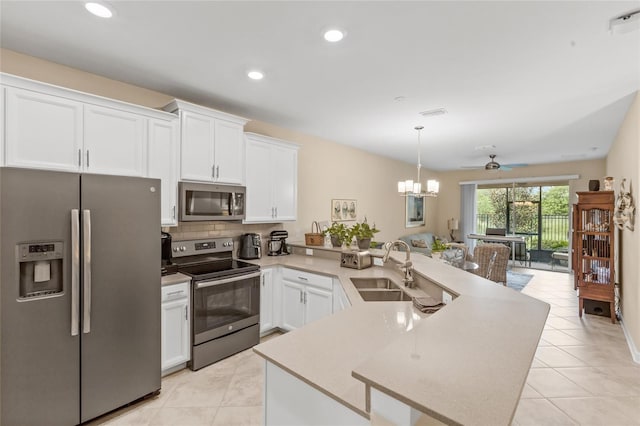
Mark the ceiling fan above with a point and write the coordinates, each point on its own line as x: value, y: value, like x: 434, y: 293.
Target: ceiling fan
x: 494, y: 165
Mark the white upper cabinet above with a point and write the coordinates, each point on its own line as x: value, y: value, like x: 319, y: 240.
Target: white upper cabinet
x: 163, y: 155
x: 51, y: 127
x: 229, y: 152
x: 212, y: 144
x: 197, y: 147
x: 114, y: 141
x: 271, y: 178
x: 42, y: 131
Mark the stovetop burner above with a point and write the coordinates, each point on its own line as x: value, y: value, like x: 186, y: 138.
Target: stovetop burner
x: 208, y: 259
x: 217, y: 269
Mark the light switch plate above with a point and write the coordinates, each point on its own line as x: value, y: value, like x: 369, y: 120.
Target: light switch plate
x: 309, y: 252
x: 446, y: 298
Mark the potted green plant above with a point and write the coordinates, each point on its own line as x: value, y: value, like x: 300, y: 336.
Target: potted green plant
x: 338, y: 232
x: 438, y: 247
x: 363, y: 233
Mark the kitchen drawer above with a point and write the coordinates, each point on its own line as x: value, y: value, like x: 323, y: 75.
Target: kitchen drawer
x: 307, y: 278
x: 175, y: 292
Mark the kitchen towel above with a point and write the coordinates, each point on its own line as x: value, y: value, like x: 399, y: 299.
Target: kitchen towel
x: 427, y: 304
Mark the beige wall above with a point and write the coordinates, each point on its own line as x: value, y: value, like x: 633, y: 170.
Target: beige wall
x: 449, y: 200
x: 623, y: 161
x: 38, y: 69
x: 326, y: 169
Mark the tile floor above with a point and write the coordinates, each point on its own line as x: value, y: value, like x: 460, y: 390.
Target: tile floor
x: 582, y: 374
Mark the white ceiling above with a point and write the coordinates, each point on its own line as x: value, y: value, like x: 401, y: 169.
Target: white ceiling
x: 542, y: 81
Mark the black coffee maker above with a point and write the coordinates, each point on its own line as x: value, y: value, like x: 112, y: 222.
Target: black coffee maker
x: 166, y: 265
x: 277, y: 243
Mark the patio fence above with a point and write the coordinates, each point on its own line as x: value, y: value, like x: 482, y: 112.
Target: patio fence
x: 555, y: 230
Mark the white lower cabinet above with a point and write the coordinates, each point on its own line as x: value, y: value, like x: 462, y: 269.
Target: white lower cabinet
x: 306, y: 297
x: 267, y: 319
x: 176, y: 336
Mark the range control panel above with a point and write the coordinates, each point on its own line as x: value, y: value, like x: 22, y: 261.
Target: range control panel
x: 208, y: 246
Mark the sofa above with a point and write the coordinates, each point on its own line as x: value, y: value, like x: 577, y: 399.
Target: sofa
x: 415, y: 241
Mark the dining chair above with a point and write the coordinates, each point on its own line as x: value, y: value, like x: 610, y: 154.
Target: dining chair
x: 492, y: 260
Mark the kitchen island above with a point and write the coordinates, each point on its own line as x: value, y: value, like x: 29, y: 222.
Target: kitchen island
x: 465, y: 364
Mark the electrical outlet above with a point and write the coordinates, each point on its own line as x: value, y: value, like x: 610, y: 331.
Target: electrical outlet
x: 309, y: 252
x: 446, y: 298
x: 378, y: 261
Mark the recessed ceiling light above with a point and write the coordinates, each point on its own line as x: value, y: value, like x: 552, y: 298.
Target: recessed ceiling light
x: 255, y: 75
x: 99, y: 9
x: 333, y: 35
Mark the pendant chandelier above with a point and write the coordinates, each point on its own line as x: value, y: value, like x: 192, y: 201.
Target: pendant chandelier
x: 409, y: 188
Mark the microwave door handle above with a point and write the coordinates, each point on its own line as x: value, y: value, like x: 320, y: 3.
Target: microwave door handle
x: 75, y: 271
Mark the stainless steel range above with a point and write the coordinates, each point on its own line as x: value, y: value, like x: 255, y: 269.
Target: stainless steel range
x: 225, y: 312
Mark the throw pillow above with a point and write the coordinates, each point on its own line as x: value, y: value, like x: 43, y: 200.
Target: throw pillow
x: 419, y: 243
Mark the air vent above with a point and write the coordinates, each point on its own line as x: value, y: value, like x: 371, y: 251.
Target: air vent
x: 433, y: 112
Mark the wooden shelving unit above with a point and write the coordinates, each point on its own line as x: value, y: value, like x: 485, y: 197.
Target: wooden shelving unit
x: 593, y: 248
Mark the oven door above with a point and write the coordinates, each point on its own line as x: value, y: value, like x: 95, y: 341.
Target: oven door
x: 224, y: 306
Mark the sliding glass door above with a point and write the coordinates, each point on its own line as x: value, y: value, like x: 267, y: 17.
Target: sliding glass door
x: 538, y: 213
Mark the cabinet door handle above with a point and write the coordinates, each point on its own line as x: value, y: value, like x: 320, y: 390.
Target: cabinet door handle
x: 88, y: 164
x: 186, y: 318
x: 79, y: 158
x: 213, y: 171
x: 217, y: 172
x: 174, y: 211
x: 276, y: 211
x: 301, y: 296
x: 303, y: 279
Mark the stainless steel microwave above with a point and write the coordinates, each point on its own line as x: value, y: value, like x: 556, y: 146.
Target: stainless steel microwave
x: 208, y: 201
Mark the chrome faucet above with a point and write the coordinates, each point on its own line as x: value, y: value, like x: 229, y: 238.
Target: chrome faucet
x: 406, y: 267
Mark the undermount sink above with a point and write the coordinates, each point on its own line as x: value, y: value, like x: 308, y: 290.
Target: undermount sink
x: 370, y: 283
x: 384, y: 296
x: 380, y: 290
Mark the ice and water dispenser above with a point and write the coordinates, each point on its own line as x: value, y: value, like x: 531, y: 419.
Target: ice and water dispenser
x: 40, y: 269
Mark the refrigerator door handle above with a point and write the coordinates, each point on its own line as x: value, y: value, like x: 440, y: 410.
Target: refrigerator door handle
x: 75, y: 270
x: 86, y: 223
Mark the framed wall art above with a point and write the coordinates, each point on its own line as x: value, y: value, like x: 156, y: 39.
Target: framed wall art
x: 415, y: 211
x: 343, y: 210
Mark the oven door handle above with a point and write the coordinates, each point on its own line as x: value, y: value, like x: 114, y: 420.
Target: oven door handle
x: 227, y: 280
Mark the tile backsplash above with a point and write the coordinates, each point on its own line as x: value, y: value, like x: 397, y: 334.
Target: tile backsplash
x: 198, y: 230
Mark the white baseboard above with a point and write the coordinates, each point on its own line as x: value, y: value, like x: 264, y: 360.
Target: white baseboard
x: 635, y: 353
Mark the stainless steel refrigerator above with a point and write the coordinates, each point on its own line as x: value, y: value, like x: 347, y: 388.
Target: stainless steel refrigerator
x: 79, y: 294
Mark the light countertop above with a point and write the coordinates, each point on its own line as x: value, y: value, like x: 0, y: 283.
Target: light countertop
x: 174, y: 279
x: 465, y: 364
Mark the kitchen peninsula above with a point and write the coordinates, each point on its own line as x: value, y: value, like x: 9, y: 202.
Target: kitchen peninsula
x: 466, y: 364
